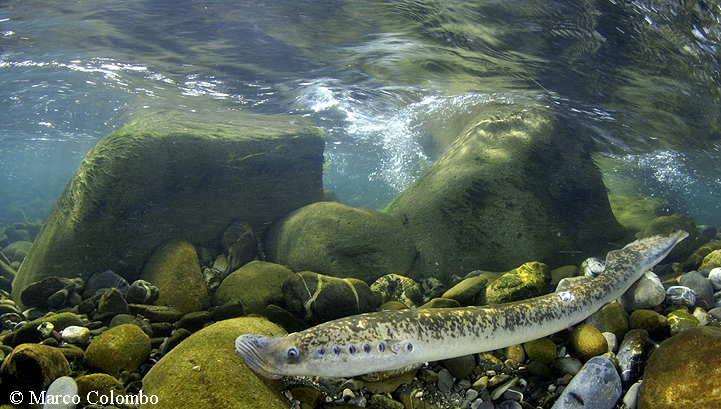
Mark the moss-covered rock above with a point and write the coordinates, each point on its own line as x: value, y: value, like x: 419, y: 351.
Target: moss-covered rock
x: 94, y: 386
x: 29, y: 332
x: 394, y: 287
x: 205, y: 372
x: 541, y: 350
x: 121, y: 348
x: 588, y: 342
x: 32, y: 367
x: 527, y: 281
x: 679, y: 321
x: 612, y: 317
x: 694, y: 261
x: 684, y: 372
x: 256, y: 285
x: 517, y: 185
x: 170, y: 176
x: 634, y: 211
x: 711, y: 261
x: 467, y: 290
x: 318, y: 298
x: 173, y: 263
x: 341, y: 241
x: 666, y: 224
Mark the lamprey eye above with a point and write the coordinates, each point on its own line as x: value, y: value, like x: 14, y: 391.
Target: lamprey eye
x: 336, y: 350
x: 366, y: 348
x: 381, y: 347
x: 351, y: 349
x: 320, y: 351
x: 292, y: 352
x: 409, y: 347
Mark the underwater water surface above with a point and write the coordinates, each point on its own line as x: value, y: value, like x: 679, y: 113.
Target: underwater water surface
x: 382, y: 78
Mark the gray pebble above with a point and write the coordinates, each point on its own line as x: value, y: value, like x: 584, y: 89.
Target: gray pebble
x: 596, y: 386
x: 715, y: 313
x: 63, y: 386
x: 592, y: 266
x: 471, y: 394
x: 701, y: 286
x: 715, y: 278
x: 480, y: 404
x: 630, y: 399
x: 509, y: 404
x: 513, y: 394
x: 647, y: 292
x: 630, y: 355
x: 680, y: 295
x: 568, y: 365
x: 445, y: 380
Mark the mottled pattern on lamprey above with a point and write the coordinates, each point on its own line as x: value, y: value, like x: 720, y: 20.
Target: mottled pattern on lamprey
x: 389, y: 340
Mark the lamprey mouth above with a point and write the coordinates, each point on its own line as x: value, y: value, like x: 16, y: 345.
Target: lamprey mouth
x: 249, y: 347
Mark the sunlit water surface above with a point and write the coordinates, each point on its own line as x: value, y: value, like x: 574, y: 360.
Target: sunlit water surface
x: 381, y: 77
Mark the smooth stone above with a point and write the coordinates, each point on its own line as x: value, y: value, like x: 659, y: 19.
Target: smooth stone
x: 509, y: 404
x: 194, y: 321
x: 588, y: 342
x: 648, y: 320
x: 630, y: 356
x: 612, y: 317
x: 445, y: 380
x: 647, y: 292
x: 341, y: 241
x: 142, y: 292
x: 691, y: 359
x: 385, y: 402
x: 122, y: 319
x: 558, y: 274
x: 239, y: 243
x: 179, y: 335
x: 156, y: 313
x: 177, y: 262
x: 711, y: 261
x: 701, y: 287
x: 714, y: 277
x: 680, y: 295
x: 33, y: 367
x: 702, y: 316
x: 63, y: 390
x: 460, y: 367
x: 441, y: 303
x: 541, y: 350
x: 539, y: 370
x: 394, y: 287
x: 680, y: 321
x: 317, y: 298
x: 467, y: 290
x: 715, y: 313
x: 122, y: 348
x: 592, y: 267
x: 516, y: 353
x: 527, y: 281
x: 255, y: 285
x: 569, y: 365
x: 102, y: 281
x: 112, y: 303
x: 612, y: 341
x: 630, y: 399
x: 221, y: 265
x: 205, y: 372
x: 75, y: 335
x: 596, y: 386
x: 98, y: 385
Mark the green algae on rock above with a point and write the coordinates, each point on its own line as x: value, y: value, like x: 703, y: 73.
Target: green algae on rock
x: 667, y: 224
x: 341, y: 241
x: 527, y: 281
x: 517, y: 185
x: 170, y: 176
x: 684, y: 372
x: 173, y: 263
x: 32, y: 367
x: 256, y: 285
x: 121, y: 348
x: 205, y: 372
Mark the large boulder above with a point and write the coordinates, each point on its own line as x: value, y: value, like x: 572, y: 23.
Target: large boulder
x: 256, y: 285
x: 205, y: 372
x: 518, y: 185
x: 685, y: 372
x: 341, y: 241
x: 170, y: 176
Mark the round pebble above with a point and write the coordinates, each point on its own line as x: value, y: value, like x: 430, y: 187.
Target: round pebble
x: 592, y: 266
x: 714, y: 277
x: 588, y: 342
x: 75, y: 335
x: 680, y: 295
x: 701, y: 286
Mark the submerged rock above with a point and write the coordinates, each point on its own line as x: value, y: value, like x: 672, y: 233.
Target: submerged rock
x: 527, y: 281
x: 174, y: 175
x: 394, y: 287
x: 255, y: 285
x: 684, y: 372
x: 173, y: 263
x: 341, y: 241
x: 318, y: 298
x: 666, y: 224
x: 513, y: 168
x: 239, y: 243
x: 32, y: 367
x: 122, y: 348
x: 596, y: 386
x: 205, y: 372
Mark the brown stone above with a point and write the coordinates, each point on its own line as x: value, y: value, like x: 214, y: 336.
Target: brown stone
x: 33, y: 367
x: 685, y: 372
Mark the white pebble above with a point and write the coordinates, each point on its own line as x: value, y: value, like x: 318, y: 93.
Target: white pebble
x: 75, y: 335
x: 715, y: 278
x: 702, y: 316
x: 631, y: 397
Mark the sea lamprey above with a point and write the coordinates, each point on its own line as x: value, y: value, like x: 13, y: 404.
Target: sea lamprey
x: 390, y: 340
